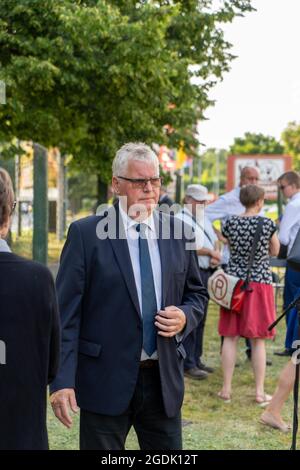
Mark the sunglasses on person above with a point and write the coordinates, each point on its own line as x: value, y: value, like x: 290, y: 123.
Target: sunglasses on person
x: 13, y: 207
x: 283, y: 186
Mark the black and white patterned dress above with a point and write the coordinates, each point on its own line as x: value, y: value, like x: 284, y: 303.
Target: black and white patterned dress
x: 258, y: 307
x: 240, y: 232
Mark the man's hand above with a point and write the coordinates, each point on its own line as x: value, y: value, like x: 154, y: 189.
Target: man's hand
x: 216, y: 255
x: 170, y: 321
x: 215, y: 259
x: 61, y: 402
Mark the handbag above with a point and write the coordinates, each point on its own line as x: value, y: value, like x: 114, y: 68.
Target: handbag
x: 229, y: 291
x: 293, y: 258
x: 226, y: 290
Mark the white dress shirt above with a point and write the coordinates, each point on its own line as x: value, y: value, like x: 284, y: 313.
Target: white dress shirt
x: 4, y: 246
x: 227, y: 205
x: 205, y: 235
x: 133, y: 245
x: 290, y: 222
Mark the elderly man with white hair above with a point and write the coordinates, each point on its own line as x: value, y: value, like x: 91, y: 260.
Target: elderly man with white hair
x: 128, y: 297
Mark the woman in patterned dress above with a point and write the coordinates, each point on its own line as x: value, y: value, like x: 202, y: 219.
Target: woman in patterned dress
x: 258, y: 308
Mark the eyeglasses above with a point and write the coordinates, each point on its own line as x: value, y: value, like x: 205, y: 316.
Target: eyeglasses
x: 13, y: 207
x: 141, y: 183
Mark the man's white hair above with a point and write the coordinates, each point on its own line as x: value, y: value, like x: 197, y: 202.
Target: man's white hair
x: 136, y: 151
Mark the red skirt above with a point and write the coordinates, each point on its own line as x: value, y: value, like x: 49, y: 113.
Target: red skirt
x: 257, y: 315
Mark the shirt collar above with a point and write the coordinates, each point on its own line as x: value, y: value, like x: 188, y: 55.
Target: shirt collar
x: 4, y: 246
x: 128, y: 222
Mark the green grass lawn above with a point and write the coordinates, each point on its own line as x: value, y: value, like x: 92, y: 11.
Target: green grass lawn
x: 208, y: 422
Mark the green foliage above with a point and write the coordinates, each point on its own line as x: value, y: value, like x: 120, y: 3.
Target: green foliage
x: 166, y: 176
x: 291, y: 140
x: 89, y: 75
x: 252, y: 144
x: 214, y: 170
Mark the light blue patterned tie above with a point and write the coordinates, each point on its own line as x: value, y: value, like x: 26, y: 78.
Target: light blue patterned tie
x: 149, y: 305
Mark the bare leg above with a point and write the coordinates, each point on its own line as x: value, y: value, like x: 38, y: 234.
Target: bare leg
x: 258, y: 358
x: 272, y: 415
x: 228, y: 357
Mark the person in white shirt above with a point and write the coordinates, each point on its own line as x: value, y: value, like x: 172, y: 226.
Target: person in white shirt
x: 209, y: 257
x: 229, y: 204
x: 289, y: 184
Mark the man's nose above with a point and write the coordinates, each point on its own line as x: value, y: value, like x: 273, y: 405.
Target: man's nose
x: 147, y: 186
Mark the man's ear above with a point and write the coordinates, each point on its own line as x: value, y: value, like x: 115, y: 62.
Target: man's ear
x: 115, y: 185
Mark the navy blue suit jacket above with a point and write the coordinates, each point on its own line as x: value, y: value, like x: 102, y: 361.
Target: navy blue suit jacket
x: 101, y: 319
x: 29, y: 328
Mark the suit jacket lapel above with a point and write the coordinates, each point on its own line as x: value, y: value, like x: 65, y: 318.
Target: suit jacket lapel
x: 121, y: 250
x: 165, y: 254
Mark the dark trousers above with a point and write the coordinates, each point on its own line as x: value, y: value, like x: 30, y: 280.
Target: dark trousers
x: 291, y: 287
x: 291, y: 291
x: 155, y: 431
x: 193, y: 344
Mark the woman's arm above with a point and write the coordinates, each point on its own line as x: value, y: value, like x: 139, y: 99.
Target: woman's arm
x: 274, y: 245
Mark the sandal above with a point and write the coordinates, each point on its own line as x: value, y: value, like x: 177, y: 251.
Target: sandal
x: 263, y: 400
x: 225, y: 397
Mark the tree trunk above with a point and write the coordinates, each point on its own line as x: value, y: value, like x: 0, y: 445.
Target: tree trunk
x: 60, y: 225
x: 40, y: 204
x: 17, y: 195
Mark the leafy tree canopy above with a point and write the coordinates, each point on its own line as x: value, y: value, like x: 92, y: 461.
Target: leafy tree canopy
x: 89, y: 75
x: 291, y: 140
x: 253, y: 144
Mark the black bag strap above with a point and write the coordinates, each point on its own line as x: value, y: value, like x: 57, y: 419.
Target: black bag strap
x: 252, y: 253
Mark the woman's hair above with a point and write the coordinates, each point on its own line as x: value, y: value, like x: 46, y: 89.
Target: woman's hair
x: 6, y: 197
x: 251, y: 194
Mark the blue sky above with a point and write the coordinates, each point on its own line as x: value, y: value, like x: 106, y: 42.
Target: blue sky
x: 261, y: 93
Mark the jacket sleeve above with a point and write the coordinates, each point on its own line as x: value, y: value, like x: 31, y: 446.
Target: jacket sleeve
x: 195, y: 296
x: 70, y: 285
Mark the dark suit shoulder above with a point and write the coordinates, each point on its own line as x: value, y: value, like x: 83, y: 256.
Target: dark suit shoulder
x: 27, y: 270
x: 86, y: 222
x: 29, y: 264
